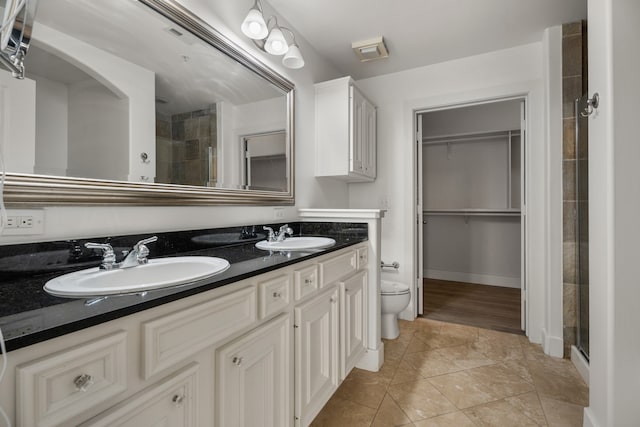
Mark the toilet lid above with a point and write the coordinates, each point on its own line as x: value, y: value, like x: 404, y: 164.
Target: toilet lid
x: 393, y: 288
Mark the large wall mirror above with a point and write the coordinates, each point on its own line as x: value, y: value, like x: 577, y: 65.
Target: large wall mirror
x: 141, y: 102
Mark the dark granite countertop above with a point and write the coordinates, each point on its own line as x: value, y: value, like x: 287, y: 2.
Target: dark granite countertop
x: 29, y: 315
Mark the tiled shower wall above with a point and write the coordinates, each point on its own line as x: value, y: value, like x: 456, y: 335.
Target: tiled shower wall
x: 182, y: 147
x: 574, y: 85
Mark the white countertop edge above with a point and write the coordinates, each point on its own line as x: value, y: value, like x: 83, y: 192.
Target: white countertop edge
x: 342, y: 213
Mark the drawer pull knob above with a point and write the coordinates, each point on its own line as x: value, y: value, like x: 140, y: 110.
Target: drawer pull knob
x: 178, y: 399
x: 308, y: 281
x: 83, y: 382
x: 277, y: 294
x: 236, y: 360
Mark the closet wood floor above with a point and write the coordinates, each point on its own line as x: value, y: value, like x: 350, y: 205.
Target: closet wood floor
x: 490, y: 307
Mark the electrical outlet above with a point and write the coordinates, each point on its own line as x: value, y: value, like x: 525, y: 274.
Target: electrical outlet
x: 12, y: 222
x: 24, y: 222
x: 278, y: 213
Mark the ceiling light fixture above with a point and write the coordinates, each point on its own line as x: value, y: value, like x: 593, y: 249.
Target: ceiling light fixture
x: 271, y: 40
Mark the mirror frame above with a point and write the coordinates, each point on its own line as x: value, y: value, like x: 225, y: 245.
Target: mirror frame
x: 44, y: 190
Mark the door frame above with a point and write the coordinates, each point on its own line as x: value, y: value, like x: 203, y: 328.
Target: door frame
x: 418, y: 249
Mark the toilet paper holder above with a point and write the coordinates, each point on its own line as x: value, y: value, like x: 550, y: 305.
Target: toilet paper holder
x: 394, y: 264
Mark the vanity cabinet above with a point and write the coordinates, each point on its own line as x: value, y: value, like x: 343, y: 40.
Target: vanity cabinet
x: 317, y: 354
x: 269, y: 350
x: 353, y: 297
x: 171, y: 402
x: 330, y: 331
x: 345, y: 132
x: 254, y: 379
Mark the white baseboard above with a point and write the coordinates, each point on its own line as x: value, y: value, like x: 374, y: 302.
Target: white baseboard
x: 552, y: 346
x: 481, y: 279
x: 580, y: 362
x: 372, y: 359
x: 589, y: 419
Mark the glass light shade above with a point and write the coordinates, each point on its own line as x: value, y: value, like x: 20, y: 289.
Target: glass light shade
x: 254, y: 26
x: 293, y: 58
x: 276, y: 43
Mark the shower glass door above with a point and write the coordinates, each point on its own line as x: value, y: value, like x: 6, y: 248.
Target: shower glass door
x: 582, y: 224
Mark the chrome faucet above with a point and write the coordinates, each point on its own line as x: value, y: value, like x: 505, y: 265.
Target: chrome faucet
x: 137, y: 255
x: 280, y: 236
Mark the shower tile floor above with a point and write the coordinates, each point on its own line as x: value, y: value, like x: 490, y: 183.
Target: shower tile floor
x: 439, y: 374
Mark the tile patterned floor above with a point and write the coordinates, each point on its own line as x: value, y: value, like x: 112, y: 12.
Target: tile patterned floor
x: 440, y: 374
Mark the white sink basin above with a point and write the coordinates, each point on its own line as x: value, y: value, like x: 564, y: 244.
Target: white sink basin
x: 296, y: 244
x: 158, y: 273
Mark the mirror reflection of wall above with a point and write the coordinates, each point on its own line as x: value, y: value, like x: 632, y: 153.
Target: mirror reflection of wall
x: 264, y: 161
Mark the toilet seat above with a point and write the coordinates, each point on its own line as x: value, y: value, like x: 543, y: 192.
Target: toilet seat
x: 393, y: 288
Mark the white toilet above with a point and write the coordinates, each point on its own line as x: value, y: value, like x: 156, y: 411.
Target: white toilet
x: 395, y: 298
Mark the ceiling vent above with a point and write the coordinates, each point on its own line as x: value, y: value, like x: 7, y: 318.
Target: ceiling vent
x: 368, y: 50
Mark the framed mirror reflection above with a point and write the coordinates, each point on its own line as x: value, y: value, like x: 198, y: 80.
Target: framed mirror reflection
x: 139, y: 101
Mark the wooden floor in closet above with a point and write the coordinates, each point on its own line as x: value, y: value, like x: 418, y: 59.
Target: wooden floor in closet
x: 490, y: 307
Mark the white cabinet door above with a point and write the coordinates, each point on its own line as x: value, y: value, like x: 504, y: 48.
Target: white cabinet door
x: 369, y: 141
x: 254, y: 378
x: 316, y: 359
x: 352, y: 315
x: 358, y: 136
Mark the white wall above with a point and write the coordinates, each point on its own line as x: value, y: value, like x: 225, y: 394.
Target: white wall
x: 500, y: 74
x: 52, y: 105
x: 129, y: 81
x: 86, y: 221
x: 98, y: 144
x: 18, y: 122
x: 614, y: 203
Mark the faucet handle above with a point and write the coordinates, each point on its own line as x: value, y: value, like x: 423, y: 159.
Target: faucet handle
x: 108, y: 256
x: 143, y: 242
x: 141, y: 250
x: 272, y: 234
x: 282, y: 233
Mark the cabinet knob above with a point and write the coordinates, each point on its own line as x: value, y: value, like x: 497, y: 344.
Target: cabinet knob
x: 83, y: 382
x: 332, y: 299
x: 308, y: 281
x: 277, y: 294
x: 178, y: 399
x: 236, y: 360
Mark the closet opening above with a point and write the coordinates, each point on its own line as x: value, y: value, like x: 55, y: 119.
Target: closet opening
x: 471, y: 193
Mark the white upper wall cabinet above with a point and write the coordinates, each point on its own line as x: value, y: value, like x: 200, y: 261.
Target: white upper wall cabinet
x: 345, y: 132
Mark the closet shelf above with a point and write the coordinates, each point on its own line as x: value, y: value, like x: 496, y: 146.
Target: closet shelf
x: 472, y: 212
x: 468, y: 137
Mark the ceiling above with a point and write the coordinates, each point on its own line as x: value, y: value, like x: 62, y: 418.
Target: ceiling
x: 189, y: 74
x: 421, y: 32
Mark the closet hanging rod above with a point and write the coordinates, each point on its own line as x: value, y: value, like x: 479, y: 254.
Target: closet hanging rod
x: 445, y: 139
x: 471, y: 212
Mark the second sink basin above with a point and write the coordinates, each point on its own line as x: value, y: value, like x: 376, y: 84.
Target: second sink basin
x: 296, y: 244
x: 156, y: 274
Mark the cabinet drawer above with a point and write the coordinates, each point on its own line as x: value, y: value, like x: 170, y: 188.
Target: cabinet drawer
x: 174, y: 337
x: 172, y: 402
x: 274, y: 295
x: 338, y: 267
x: 363, y: 257
x: 305, y: 281
x: 54, y: 390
